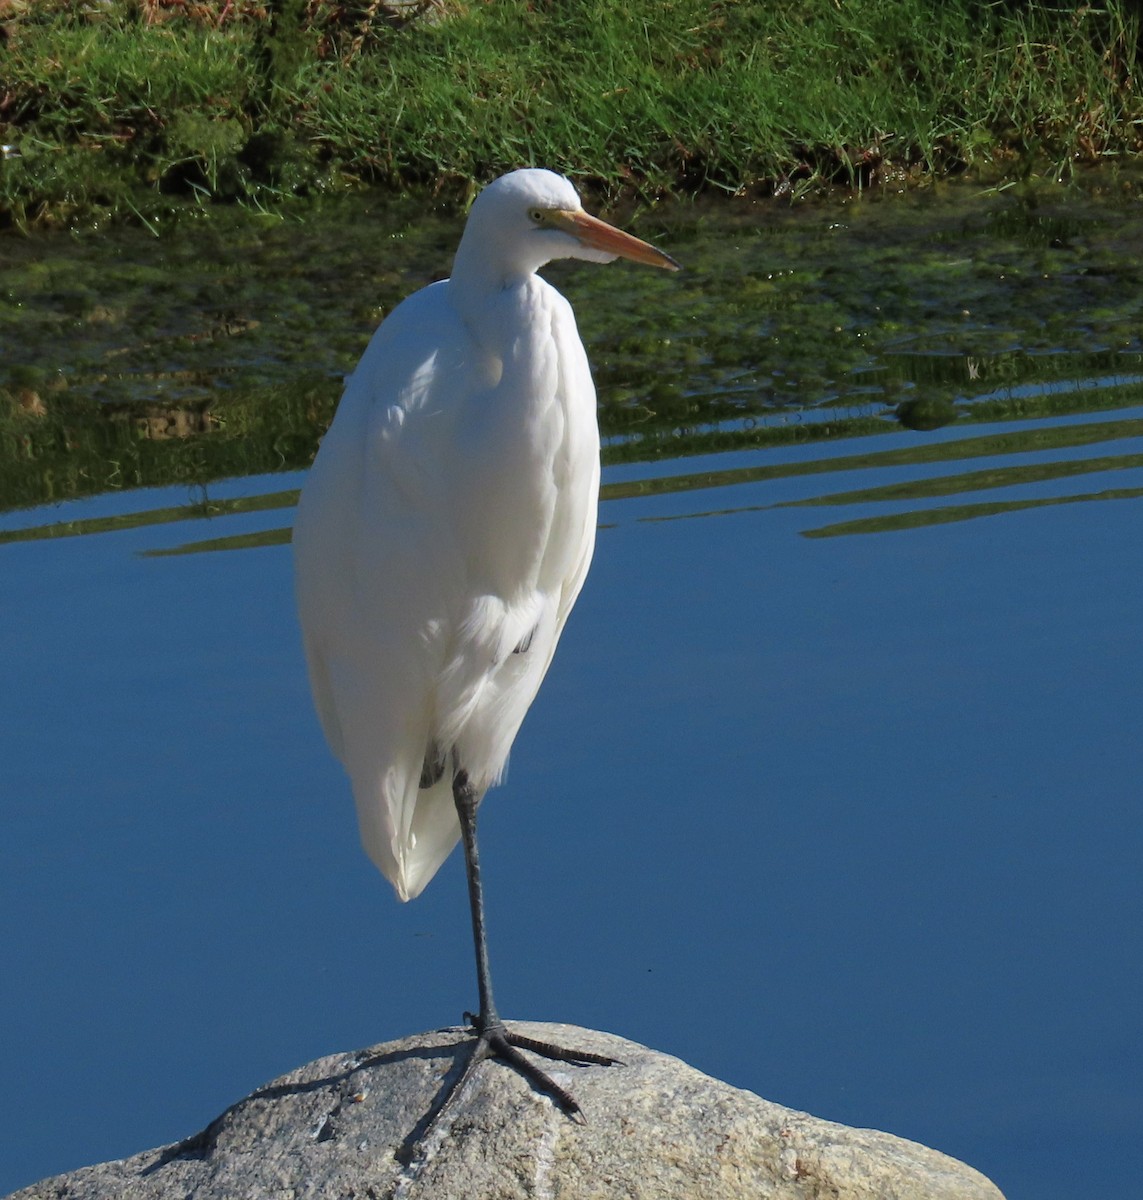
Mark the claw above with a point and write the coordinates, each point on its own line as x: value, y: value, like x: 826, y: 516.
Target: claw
x: 497, y: 1041
x: 559, y: 1053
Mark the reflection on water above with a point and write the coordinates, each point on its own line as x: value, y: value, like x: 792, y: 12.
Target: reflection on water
x: 936, y: 469
x: 132, y: 361
x: 873, y: 800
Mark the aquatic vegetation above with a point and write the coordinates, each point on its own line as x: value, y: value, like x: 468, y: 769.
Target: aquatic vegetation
x: 218, y: 350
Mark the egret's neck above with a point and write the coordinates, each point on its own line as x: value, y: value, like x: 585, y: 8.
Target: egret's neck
x: 481, y: 271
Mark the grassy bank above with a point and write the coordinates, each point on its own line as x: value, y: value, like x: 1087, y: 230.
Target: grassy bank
x: 134, y: 105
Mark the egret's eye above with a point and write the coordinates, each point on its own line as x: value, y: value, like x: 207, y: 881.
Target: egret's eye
x: 536, y: 216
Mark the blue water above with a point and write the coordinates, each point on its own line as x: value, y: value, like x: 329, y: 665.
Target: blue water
x: 852, y: 822
x: 833, y: 792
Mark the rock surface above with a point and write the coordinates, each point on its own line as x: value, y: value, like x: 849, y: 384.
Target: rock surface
x: 657, y: 1128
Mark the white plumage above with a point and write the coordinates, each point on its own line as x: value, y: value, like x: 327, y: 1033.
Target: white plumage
x: 448, y: 522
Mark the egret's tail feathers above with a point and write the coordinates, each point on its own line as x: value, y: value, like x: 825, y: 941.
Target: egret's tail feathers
x: 408, y: 852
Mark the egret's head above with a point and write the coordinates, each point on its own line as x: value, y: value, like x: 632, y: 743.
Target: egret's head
x: 529, y: 217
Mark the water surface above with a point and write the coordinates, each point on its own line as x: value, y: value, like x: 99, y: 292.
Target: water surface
x: 832, y: 790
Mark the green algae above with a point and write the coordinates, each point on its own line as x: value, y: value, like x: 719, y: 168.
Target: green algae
x: 218, y: 350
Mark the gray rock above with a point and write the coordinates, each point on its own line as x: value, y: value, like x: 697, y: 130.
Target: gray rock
x: 656, y: 1128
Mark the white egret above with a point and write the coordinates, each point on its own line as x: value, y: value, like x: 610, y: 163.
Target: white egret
x: 442, y: 537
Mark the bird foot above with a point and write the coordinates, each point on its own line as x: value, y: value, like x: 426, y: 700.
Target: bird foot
x: 500, y: 1042
x: 493, y: 1039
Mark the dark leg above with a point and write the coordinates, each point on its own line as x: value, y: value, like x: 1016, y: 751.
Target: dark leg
x: 493, y: 1038
x: 467, y: 801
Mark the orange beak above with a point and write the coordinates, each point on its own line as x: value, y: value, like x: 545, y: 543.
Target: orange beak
x: 591, y: 231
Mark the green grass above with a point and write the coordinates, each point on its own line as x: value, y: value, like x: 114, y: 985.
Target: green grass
x: 120, y: 111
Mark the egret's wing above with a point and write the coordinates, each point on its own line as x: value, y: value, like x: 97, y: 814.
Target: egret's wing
x: 373, y: 548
